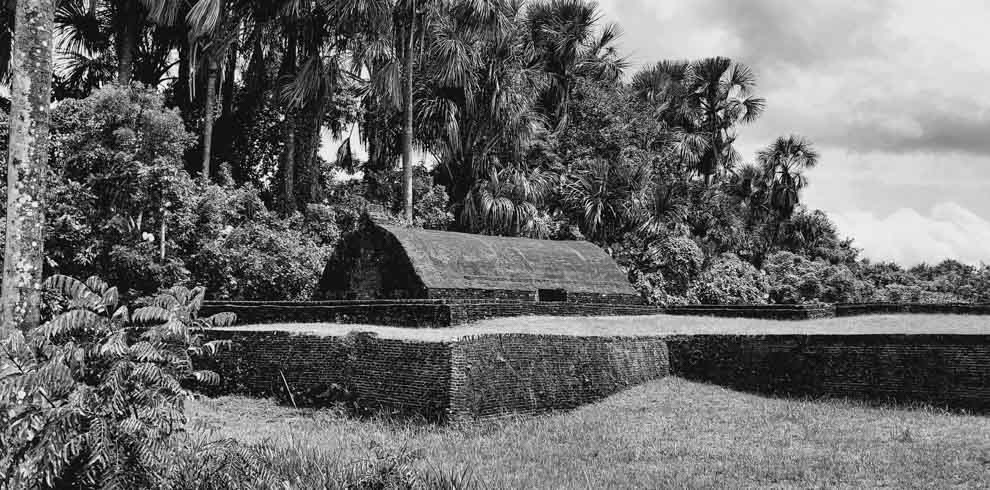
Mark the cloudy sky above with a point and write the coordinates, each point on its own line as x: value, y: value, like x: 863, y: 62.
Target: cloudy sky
x: 894, y: 94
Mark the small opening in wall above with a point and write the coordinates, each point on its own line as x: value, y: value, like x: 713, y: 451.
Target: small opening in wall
x: 551, y: 295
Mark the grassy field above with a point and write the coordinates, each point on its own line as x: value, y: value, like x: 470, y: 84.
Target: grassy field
x: 668, y: 433
x: 662, y: 325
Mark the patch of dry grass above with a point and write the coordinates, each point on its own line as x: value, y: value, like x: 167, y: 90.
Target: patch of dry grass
x: 661, y: 325
x: 668, y: 433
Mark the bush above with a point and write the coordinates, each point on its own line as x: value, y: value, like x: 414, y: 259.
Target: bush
x: 261, y: 261
x: 662, y: 269
x: 92, y: 397
x: 730, y: 281
x: 794, y: 279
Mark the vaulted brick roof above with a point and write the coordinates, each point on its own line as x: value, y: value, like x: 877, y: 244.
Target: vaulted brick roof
x: 451, y: 260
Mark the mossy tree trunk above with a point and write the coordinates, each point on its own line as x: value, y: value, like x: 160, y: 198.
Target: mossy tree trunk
x: 407, y: 129
x: 209, y: 107
x: 129, y: 26
x: 27, y: 164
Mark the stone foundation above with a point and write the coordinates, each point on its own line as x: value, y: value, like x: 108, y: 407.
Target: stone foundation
x: 492, y: 375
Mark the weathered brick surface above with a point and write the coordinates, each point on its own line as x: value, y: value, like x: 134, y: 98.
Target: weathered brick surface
x: 493, y: 375
x: 461, y: 313
x: 483, y: 376
x: 411, y: 313
x: 394, y: 313
x: 854, y: 309
x: 767, y: 312
x: 404, y: 377
x: 945, y: 370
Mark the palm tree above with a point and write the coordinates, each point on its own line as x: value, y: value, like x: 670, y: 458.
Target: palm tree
x: 718, y: 98
x: 565, y: 34
x: 27, y: 164
x: 702, y: 102
x: 607, y: 196
x: 784, y: 162
x: 387, y: 36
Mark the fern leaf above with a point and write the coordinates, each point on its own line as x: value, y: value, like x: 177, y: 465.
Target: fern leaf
x: 110, y: 298
x: 206, y: 377
x: 151, y: 315
x: 72, y: 288
x: 72, y: 322
x: 115, y: 345
x: 97, y: 285
x: 221, y: 320
x: 197, y: 299
x: 145, y: 352
x: 122, y: 315
x: 212, y: 347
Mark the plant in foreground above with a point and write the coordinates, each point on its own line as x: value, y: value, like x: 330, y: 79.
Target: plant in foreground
x: 92, y: 397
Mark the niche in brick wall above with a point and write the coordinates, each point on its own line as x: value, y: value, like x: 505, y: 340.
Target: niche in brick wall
x: 551, y: 295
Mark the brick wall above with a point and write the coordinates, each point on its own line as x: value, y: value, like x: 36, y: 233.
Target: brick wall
x: 461, y: 313
x: 407, y: 378
x: 853, y: 309
x: 393, y: 313
x: 944, y: 370
x: 483, y: 376
x: 493, y: 375
x: 767, y: 312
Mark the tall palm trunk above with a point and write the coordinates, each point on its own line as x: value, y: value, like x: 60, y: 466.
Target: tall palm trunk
x: 227, y: 104
x: 182, y: 92
x: 27, y: 165
x: 308, y: 174
x: 407, y: 130
x: 127, y: 38
x: 208, y: 116
x: 286, y: 200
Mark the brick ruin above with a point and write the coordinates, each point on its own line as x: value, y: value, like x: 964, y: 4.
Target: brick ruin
x: 391, y: 275
x: 385, y: 262
x: 492, y: 375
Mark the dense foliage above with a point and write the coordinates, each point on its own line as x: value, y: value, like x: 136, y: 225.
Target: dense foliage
x: 91, y: 398
x: 526, y: 123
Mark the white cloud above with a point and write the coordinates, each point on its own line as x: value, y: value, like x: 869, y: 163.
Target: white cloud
x: 908, y: 237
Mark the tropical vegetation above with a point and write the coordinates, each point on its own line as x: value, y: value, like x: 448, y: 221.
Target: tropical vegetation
x: 189, y: 146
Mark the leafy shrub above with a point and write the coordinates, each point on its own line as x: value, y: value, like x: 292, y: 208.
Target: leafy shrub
x: 261, y: 261
x: 794, y: 279
x: 91, y: 398
x: 661, y: 269
x: 731, y: 281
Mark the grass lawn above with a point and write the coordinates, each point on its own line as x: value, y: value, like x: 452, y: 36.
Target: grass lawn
x: 667, y: 433
x: 661, y: 325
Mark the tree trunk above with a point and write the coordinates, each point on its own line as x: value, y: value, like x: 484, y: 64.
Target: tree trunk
x: 407, y: 130
x: 182, y: 94
x: 127, y: 37
x: 27, y: 165
x: 308, y: 174
x: 227, y: 104
x: 286, y: 200
x: 208, y: 110
x: 287, y: 194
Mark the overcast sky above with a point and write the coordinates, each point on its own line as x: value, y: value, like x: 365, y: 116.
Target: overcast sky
x: 894, y: 94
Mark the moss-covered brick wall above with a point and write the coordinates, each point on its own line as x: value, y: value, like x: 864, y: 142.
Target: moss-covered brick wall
x: 493, y: 375
x: 943, y: 370
x: 476, y: 377
x: 394, y: 313
x: 855, y: 309
x: 404, y: 377
x: 766, y: 312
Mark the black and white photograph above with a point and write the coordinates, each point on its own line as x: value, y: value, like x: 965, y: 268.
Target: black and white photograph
x: 494, y: 244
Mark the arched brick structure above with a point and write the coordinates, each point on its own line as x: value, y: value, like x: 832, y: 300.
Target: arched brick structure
x: 395, y: 262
